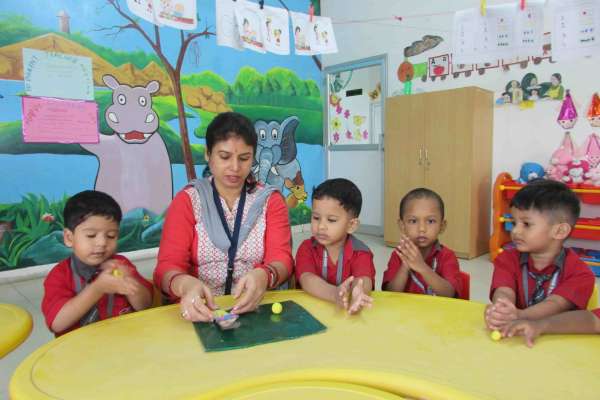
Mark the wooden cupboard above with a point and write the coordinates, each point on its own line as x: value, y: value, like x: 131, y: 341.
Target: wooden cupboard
x: 443, y: 141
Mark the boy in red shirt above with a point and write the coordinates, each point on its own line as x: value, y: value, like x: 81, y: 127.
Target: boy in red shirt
x: 336, y: 205
x: 580, y: 321
x: 420, y: 264
x: 540, y: 277
x: 94, y: 283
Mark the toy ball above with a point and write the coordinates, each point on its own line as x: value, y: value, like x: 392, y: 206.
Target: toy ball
x: 276, y: 308
x: 496, y: 335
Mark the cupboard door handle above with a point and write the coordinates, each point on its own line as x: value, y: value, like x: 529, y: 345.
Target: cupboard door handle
x: 427, y: 163
x: 420, y: 156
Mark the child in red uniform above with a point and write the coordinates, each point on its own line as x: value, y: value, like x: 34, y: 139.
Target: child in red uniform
x: 540, y: 277
x: 335, y: 209
x: 94, y: 283
x: 420, y: 264
x: 580, y: 321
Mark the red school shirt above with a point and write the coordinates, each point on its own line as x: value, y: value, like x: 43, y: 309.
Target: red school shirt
x: 575, y: 282
x: 447, y: 268
x: 358, y: 260
x: 59, y: 288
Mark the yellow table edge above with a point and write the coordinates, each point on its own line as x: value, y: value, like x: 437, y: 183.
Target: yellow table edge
x: 396, y: 384
x: 18, y: 336
x: 335, y: 389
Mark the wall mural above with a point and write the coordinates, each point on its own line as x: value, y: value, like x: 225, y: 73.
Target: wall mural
x: 156, y: 90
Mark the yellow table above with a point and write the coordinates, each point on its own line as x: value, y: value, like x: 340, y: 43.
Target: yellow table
x: 406, y: 346
x: 15, y: 327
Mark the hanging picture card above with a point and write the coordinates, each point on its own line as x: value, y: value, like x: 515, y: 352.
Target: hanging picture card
x: 179, y: 14
x: 143, y: 9
x: 321, y: 36
x: 227, y: 30
x: 301, y: 28
x: 277, y: 30
x: 249, y: 18
x: 575, y: 28
x: 529, y: 29
x: 481, y: 38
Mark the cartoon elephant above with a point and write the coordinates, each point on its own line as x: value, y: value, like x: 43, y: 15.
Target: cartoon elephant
x: 276, y: 151
x: 134, y: 165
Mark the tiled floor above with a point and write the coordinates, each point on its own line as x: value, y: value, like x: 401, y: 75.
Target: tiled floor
x: 28, y: 294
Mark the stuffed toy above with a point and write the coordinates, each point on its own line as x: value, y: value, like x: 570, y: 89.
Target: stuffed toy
x: 593, y: 176
x: 561, y: 157
x: 577, y: 170
x: 530, y: 171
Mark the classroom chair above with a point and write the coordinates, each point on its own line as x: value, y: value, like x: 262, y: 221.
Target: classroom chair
x: 465, y: 280
x: 593, y: 302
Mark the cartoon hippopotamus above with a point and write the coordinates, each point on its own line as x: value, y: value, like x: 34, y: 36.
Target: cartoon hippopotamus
x: 134, y: 164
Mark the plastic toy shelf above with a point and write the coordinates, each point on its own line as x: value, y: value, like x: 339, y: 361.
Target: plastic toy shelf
x: 586, y: 228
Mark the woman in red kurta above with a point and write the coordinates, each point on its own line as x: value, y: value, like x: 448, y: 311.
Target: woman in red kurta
x: 225, y: 234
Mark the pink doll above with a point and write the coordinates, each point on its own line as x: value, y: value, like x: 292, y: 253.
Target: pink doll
x: 593, y: 176
x: 561, y: 158
x: 577, y: 171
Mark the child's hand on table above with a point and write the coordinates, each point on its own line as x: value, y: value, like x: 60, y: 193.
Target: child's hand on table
x: 500, y: 313
x: 528, y: 329
x: 360, y: 299
x: 342, y: 298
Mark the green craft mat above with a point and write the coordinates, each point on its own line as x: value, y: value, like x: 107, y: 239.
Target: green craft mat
x: 260, y: 327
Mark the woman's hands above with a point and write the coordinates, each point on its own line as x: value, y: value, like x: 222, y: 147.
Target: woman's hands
x: 197, y: 302
x: 250, y: 290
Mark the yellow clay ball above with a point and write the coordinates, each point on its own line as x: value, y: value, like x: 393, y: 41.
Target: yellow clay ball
x: 496, y: 335
x: 276, y: 308
x: 117, y: 273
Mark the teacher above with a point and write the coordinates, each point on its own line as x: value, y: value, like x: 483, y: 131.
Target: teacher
x: 226, y: 234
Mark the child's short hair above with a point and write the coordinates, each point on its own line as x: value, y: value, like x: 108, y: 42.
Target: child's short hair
x: 548, y: 196
x: 421, y: 193
x: 90, y: 203
x: 342, y: 190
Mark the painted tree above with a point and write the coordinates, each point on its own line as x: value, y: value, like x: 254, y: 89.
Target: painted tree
x: 173, y: 71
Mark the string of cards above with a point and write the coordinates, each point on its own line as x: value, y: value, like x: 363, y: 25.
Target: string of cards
x: 245, y: 25
x: 506, y: 31
x: 179, y: 14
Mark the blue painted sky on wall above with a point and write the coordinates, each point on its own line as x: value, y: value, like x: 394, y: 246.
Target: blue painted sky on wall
x: 89, y: 15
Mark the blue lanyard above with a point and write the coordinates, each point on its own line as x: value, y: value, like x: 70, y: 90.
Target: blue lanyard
x: 340, y: 266
x: 233, y: 237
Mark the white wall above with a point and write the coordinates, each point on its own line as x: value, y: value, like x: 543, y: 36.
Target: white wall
x: 519, y: 135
